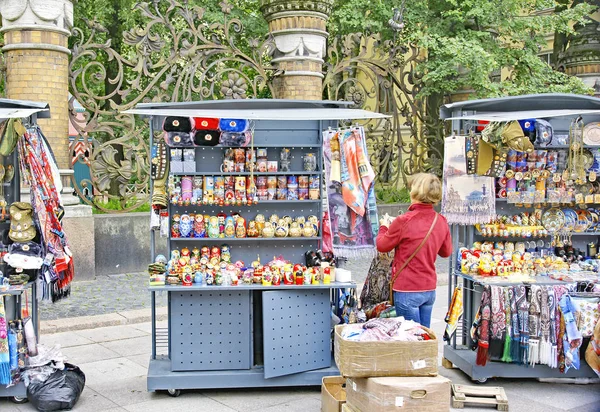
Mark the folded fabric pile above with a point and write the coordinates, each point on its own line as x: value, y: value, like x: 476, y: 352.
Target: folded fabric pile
x: 386, y: 329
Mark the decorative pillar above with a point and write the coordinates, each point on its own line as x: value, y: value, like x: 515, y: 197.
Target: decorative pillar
x: 300, y: 34
x: 37, y: 62
x: 582, y: 56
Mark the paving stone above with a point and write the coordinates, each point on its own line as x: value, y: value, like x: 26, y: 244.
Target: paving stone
x: 88, y: 353
x: 298, y: 405
x: 131, y: 347
x: 564, y: 396
x: 64, y: 339
x: 7, y: 406
x: 188, y: 401
x: 111, y: 370
x: 142, y: 360
x: 124, y: 392
x: 111, y: 333
x: 258, y: 400
x: 90, y: 401
x: 147, y: 326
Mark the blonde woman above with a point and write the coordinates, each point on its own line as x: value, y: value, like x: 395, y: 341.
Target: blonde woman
x: 418, y: 237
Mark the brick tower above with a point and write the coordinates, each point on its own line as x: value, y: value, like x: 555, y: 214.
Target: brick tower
x: 37, y: 62
x: 300, y: 33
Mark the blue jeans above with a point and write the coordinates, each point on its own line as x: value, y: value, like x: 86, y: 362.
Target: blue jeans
x: 415, y: 306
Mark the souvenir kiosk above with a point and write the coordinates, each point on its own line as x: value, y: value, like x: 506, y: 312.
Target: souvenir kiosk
x: 543, y: 230
x: 249, y: 335
x: 10, y: 191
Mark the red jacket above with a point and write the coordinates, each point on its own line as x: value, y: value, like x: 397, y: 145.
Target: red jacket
x: 404, y: 235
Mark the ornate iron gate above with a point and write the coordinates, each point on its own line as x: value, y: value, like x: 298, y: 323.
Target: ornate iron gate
x: 178, y: 56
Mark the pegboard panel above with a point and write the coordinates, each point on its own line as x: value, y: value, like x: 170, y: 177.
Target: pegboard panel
x: 210, y: 330
x: 296, y: 328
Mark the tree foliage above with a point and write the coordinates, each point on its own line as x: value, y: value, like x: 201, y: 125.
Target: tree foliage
x: 469, y: 40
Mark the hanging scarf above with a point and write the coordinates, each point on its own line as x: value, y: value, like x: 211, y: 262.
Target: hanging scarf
x: 39, y: 171
x: 466, y: 199
x: 514, y: 325
x: 535, y: 309
x: 455, y: 311
x: 353, y: 234
x: 547, y: 326
x: 592, y: 353
x: 523, y: 309
x: 4, y: 351
x: 508, y: 336
x: 498, y: 323
x: 484, y: 327
x: 559, y: 292
x: 357, y: 173
x: 573, y: 338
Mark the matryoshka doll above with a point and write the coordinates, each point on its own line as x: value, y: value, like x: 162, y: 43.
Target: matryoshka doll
x: 185, y: 255
x: 229, y: 227
x: 288, y: 274
x: 281, y: 230
x: 196, y: 254
x: 221, y: 216
x: 267, y: 276
x: 210, y: 275
x: 260, y: 222
x: 215, y: 253
x: 295, y: 230
x: 240, y: 228
x: 175, y: 226
x: 205, y: 252
x: 252, y: 229
x: 226, y: 253
x: 268, y: 231
x: 276, y: 276
x: 185, y: 225
x: 199, y: 226
x: 213, y: 227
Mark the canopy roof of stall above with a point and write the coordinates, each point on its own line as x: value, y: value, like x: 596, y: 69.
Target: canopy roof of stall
x: 258, y: 109
x: 522, y: 107
x: 23, y: 108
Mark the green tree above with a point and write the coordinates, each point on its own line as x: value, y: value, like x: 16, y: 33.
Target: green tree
x: 467, y: 41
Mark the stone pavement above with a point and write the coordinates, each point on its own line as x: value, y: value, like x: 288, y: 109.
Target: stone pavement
x: 118, y: 293
x: 115, y: 361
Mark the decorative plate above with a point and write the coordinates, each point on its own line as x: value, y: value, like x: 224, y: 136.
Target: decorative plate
x: 595, y: 219
x: 591, y: 134
x: 584, y: 221
x: 553, y: 220
x: 570, y: 220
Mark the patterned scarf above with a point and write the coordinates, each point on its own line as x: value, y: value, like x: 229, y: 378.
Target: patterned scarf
x: 573, y: 338
x: 455, y: 311
x: 514, y: 325
x: 548, y: 340
x: 498, y: 323
x: 508, y: 336
x: 466, y: 199
x: 535, y: 330
x: 353, y: 233
x: 523, y: 310
x: 357, y: 173
x: 4, y: 352
x: 560, y: 291
x: 484, y: 327
x: 40, y: 172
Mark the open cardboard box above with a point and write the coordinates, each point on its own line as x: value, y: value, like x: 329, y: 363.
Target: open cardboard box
x: 333, y: 393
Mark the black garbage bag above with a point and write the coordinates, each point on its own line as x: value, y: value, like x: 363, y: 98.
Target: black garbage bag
x: 60, y: 391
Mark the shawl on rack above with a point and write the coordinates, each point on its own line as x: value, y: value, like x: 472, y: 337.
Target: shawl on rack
x: 572, y: 338
x: 466, y: 199
x: 498, y: 323
x: 535, y: 310
x: 515, y: 336
x: 4, y: 352
x: 353, y: 233
x: 523, y: 311
x: 559, y: 292
x: 39, y: 172
x: 548, y: 355
x: 483, y: 333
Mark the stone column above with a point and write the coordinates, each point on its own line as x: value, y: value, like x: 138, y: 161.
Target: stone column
x: 300, y: 33
x: 37, y: 62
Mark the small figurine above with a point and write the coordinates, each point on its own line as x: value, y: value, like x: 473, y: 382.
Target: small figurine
x: 240, y: 228
x: 308, y: 231
x: 267, y: 277
x: 215, y: 253
x: 199, y: 226
x: 210, y: 277
x: 268, y: 231
x: 185, y: 226
x: 175, y: 226
x: 281, y: 230
x: 204, y: 252
x: 221, y: 216
x: 252, y: 229
x: 260, y: 222
x: 295, y: 230
x: 213, y: 227
x: 225, y: 253
x: 288, y: 274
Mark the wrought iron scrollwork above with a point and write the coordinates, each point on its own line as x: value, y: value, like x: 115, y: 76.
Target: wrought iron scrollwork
x: 179, y: 56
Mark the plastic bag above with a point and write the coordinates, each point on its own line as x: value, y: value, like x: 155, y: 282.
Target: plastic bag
x: 60, y: 391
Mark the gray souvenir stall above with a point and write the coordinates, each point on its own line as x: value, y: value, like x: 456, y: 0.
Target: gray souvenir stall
x: 559, y: 110
x: 10, y: 191
x: 249, y: 335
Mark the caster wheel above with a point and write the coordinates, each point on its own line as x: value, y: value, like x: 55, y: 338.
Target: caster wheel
x: 18, y: 400
x: 174, y: 392
x: 481, y: 380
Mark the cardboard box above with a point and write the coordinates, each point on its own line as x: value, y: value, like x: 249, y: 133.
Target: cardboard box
x: 411, y: 394
x: 395, y: 358
x: 348, y: 408
x: 333, y: 393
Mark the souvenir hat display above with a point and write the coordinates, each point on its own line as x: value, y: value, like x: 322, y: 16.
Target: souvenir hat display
x: 22, y: 227
x: 24, y: 255
x: 201, y: 131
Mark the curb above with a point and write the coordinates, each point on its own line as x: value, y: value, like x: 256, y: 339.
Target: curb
x: 130, y: 317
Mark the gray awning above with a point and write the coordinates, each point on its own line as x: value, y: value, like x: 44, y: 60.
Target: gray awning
x: 524, y: 107
x: 22, y: 113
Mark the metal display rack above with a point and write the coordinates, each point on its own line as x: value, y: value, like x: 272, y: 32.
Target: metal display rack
x: 558, y: 109
x: 250, y: 335
x: 12, y: 193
